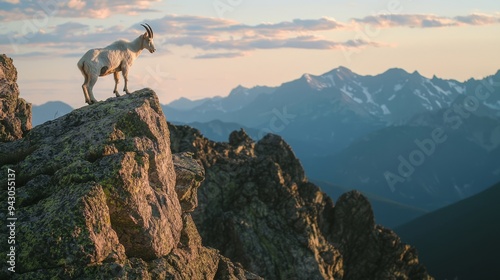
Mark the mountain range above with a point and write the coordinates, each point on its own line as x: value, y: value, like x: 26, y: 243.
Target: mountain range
x: 420, y: 142
x: 369, y: 133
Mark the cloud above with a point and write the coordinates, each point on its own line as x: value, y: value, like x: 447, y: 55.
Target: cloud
x: 223, y: 34
x: 203, y: 33
x: 426, y: 21
x: 221, y: 38
x: 19, y: 10
x: 395, y: 20
x: 219, y: 55
x: 478, y: 19
x: 31, y: 54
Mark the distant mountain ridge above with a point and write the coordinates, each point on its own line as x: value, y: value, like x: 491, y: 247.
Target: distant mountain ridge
x: 237, y: 99
x: 379, y: 96
x: 340, y: 100
x: 49, y: 111
x: 351, y: 130
x: 359, y: 131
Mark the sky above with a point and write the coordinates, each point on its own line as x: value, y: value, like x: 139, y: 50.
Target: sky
x: 208, y: 47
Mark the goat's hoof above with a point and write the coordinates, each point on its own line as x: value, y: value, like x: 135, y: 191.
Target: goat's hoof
x: 116, y: 93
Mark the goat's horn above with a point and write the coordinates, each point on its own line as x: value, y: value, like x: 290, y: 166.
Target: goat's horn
x: 147, y: 30
x: 150, y: 29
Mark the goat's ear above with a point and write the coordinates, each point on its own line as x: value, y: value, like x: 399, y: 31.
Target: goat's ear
x: 145, y: 35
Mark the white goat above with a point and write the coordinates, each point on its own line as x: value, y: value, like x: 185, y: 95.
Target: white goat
x: 114, y: 58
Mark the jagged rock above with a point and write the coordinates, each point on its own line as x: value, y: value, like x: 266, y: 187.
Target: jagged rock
x: 370, y: 251
x: 15, y: 112
x: 257, y: 207
x: 96, y: 198
x: 190, y: 174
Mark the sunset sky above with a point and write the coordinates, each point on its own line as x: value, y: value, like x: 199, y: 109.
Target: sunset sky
x: 206, y: 48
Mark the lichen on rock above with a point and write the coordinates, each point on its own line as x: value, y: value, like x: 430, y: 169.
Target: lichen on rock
x: 15, y: 112
x: 97, y: 197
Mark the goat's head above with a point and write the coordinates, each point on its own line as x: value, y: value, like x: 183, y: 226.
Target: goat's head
x: 148, y: 39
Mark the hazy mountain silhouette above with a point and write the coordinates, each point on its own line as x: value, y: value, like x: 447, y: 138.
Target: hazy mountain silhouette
x: 405, y: 164
x: 459, y: 241
x: 360, y: 131
x: 328, y: 112
x: 388, y: 213
x: 49, y: 111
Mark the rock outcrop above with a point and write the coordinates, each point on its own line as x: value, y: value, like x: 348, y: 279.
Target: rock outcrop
x: 257, y: 207
x: 98, y: 197
x: 15, y: 112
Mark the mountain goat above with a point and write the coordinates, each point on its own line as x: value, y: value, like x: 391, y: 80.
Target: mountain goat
x: 114, y: 58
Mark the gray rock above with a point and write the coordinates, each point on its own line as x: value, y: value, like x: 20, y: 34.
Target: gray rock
x: 257, y: 207
x: 370, y: 251
x: 97, y: 198
x: 15, y: 112
x: 190, y: 174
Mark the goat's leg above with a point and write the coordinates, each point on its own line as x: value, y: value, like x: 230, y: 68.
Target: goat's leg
x: 117, y: 80
x: 85, y: 91
x: 92, y: 82
x: 85, y: 86
x: 125, y: 78
x: 86, y: 94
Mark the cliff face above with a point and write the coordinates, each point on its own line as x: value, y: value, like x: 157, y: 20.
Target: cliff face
x: 257, y: 207
x: 98, y: 197
x: 15, y: 112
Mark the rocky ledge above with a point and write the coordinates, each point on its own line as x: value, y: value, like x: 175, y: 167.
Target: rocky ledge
x: 99, y: 196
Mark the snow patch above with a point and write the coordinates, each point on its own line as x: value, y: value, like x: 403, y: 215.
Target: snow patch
x: 427, y: 105
x: 368, y: 95
x: 385, y: 110
x: 348, y: 93
x: 438, y: 89
x: 315, y: 83
x: 392, y: 97
x: 459, y: 89
x: 398, y: 87
x: 330, y: 78
x: 366, y: 92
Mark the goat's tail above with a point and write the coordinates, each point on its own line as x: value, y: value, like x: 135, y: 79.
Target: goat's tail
x: 81, y: 65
